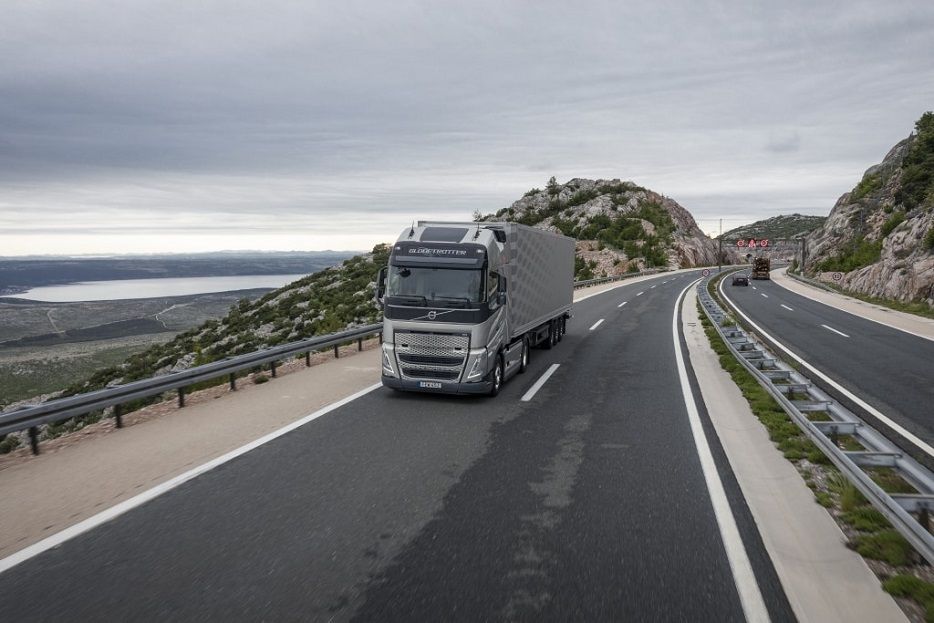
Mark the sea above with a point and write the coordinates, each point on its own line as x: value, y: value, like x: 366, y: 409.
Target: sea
x: 151, y: 288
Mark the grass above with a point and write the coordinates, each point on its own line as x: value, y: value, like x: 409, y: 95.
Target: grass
x: 908, y: 586
x: 885, y: 545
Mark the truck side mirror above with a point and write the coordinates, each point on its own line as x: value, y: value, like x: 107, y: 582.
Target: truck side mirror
x: 381, y: 286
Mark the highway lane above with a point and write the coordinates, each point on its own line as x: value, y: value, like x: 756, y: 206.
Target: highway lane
x: 586, y: 502
x: 891, y: 370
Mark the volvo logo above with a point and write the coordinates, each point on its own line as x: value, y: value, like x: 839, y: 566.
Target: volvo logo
x: 432, y: 315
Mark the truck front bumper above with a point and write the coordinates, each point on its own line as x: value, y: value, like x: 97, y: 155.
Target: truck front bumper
x: 481, y: 387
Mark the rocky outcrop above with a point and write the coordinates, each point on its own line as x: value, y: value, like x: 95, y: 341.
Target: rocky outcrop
x: 880, y: 235
x: 620, y: 227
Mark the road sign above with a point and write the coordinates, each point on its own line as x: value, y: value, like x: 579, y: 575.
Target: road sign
x: 751, y: 243
x: 741, y: 243
x: 837, y: 276
x: 764, y: 242
x: 706, y: 272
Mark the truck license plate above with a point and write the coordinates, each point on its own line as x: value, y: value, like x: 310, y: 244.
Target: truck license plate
x: 429, y: 384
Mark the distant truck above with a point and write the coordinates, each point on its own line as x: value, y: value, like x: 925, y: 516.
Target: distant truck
x: 760, y: 268
x: 464, y: 303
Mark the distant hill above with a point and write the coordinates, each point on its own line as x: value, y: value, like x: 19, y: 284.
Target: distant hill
x: 777, y: 227
x: 880, y: 235
x: 20, y: 274
x: 620, y: 227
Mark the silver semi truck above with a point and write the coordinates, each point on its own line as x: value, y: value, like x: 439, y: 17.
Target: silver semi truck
x: 464, y: 302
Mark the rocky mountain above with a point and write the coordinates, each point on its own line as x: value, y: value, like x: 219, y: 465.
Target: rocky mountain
x: 620, y: 227
x: 785, y: 226
x: 880, y: 235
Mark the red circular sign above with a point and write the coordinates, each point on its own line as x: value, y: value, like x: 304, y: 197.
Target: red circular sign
x: 764, y: 242
x: 706, y: 272
x: 741, y: 243
x: 837, y: 276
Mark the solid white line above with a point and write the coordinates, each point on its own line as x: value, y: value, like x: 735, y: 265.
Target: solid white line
x: 786, y: 307
x: 115, y: 511
x: 623, y: 303
x: 641, y: 293
x: 764, y: 294
x: 596, y: 324
x: 857, y: 314
x: 743, y: 575
x: 840, y: 388
x: 835, y: 331
x: 538, y: 384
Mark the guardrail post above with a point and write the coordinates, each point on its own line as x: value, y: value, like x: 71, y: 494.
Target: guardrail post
x: 272, y: 368
x: 308, y: 359
x: 359, y: 344
x: 233, y: 382
x: 34, y: 439
x: 923, y: 518
x: 337, y: 352
x: 118, y: 416
x: 380, y: 338
x: 181, y: 397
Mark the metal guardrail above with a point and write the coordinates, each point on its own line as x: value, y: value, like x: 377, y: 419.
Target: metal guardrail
x: 786, y: 385
x: 599, y: 280
x: 31, y: 417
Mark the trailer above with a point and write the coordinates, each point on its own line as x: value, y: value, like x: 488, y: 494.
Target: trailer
x: 760, y: 268
x: 464, y: 303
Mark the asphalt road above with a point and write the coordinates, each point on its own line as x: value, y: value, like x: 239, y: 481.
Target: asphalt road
x: 585, y: 503
x: 891, y: 370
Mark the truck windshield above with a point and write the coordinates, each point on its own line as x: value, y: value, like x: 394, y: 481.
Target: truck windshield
x: 436, y: 285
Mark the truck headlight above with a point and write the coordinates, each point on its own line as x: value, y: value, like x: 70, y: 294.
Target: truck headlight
x: 479, y: 364
x: 388, y: 356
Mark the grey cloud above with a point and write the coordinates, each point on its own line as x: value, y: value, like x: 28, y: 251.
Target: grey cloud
x: 154, y: 112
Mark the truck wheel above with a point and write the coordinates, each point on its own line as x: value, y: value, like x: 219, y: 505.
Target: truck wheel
x: 550, y: 340
x: 497, y: 376
x: 561, y: 329
x: 555, y: 332
x: 524, y: 357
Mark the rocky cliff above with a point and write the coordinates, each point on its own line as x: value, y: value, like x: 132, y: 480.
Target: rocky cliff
x: 620, y: 227
x: 880, y: 235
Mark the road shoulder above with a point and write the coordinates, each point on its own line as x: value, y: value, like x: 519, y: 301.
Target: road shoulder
x: 909, y: 323
x: 823, y: 579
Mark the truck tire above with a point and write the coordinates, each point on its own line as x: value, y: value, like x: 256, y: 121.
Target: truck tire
x: 524, y: 357
x: 561, y: 329
x: 497, y: 376
x: 550, y: 340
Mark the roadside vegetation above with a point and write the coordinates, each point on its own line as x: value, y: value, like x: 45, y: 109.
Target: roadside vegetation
x: 903, y: 572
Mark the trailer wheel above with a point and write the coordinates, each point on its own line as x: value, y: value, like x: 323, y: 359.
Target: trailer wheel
x: 497, y: 376
x: 524, y: 358
x: 550, y: 340
x: 555, y: 332
x: 561, y: 329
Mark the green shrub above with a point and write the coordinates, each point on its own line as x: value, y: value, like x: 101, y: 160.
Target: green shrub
x: 929, y: 240
x: 917, y: 181
x: 867, y: 519
x: 892, y: 222
x: 259, y: 379
x: 861, y: 253
x: 869, y: 184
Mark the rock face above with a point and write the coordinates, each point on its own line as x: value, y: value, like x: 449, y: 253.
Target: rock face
x: 880, y: 235
x: 620, y: 227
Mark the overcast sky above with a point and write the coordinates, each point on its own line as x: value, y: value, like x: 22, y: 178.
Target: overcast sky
x: 187, y: 126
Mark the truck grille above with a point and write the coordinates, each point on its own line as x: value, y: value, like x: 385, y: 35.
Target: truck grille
x: 438, y: 356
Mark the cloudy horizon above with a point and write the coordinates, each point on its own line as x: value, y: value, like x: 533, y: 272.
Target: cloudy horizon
x: 172, y: 127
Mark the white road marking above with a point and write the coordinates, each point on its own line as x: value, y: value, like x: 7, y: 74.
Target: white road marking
x: 786, y: 307
x: 596, y: 324
x: 623, y: 303
x: 862, y: 403
x: 852, y: 313
x: 115, y: 511
x: 743, y: 576
x: 835, y: 331
x: 764, y: 294
x: 754, y: 288
x: 538, y: 384
x: 651, y: 288
x: 641, y: 293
